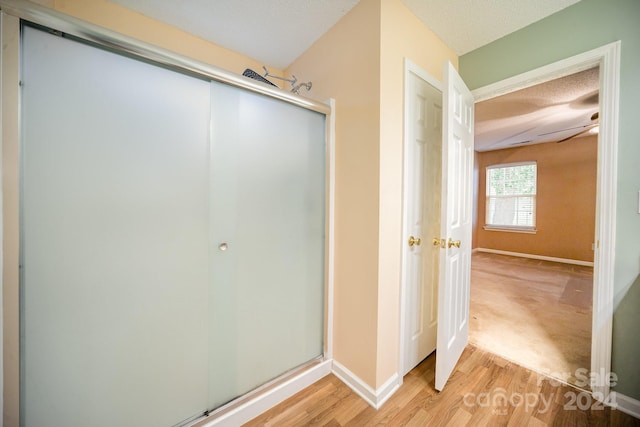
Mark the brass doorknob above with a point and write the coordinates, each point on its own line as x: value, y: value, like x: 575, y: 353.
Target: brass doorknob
x: 414, y: 241
x: 439, y: 242
x: 455, y: 243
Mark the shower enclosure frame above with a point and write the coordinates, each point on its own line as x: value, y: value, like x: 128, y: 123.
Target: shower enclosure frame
x: 11, y: 13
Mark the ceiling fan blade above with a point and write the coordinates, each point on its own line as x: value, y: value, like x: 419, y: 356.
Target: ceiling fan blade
x: 594, y: 118
x: 587, y: 129
x: 563, y: 130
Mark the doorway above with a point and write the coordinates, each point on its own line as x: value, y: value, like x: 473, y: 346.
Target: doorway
x: 536, y: 178
x: 607, y: 58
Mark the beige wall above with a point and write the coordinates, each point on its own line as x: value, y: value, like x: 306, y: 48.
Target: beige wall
x: 566, y: 200
x: 360, y: 63
x: 474, y: 217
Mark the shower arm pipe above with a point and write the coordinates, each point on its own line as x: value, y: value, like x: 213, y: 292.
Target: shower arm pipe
x: 292, y: 81
x: 83, y: 30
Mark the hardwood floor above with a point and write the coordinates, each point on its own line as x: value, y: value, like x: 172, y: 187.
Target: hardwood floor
x: 484, y: 390
x: 536, y: 313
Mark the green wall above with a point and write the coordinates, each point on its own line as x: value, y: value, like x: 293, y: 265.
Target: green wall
x: 576, y: 29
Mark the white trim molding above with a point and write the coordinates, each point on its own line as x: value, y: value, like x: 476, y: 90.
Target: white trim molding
x: 626, y: 404
x: 268, y: 399
x: 507, y: 229
x: 606, y: 201
x: 375, y: 398
x: 607, y: 58
x: 532, y: 256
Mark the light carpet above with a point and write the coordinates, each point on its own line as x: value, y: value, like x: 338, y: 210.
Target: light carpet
x: 535, y: 313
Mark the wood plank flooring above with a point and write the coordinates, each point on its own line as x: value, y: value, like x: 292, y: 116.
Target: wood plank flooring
x: 484, y: 390
x: 536, y: 313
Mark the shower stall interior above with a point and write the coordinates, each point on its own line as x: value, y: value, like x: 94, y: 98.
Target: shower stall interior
x: 172, y: 237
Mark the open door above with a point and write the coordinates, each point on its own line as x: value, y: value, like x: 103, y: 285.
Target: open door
x: 455, y: 241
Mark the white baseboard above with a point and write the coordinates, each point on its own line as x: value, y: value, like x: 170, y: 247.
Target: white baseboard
x: 625, y: 404
x: 267, y: 400
x: 540, y: 257
x: 375, y: 398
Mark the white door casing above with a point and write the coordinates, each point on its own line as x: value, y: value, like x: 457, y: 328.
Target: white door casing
x: 423, y: 146
x: 455, y: 261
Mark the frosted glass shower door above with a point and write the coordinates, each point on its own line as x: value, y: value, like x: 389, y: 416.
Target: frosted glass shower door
x: 115, y: 229
x: 267, y: 229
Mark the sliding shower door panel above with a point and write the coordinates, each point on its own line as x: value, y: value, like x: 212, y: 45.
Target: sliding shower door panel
x: 267, y: 232
x: 115, y: 249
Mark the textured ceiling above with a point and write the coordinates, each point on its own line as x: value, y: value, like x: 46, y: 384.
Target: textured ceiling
x: 465, y: 25
x: 550, y: 111
x: 274, y: 32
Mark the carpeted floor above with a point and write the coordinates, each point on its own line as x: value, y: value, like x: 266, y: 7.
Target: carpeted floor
x: 535, y: 313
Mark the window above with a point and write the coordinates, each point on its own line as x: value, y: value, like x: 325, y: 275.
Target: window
x: 511, y: 196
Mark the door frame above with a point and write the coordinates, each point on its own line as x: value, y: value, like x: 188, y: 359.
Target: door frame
x: 409, y: 68
x: 607, y: 58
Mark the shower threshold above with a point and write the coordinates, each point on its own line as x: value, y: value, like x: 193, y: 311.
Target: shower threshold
x: 219, y: 415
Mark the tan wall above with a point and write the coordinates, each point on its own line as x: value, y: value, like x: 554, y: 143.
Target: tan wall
x: 403, y: 35
x: 476, y: 184
x: 344, y: 64
x: 360, y: 63
x: 566, y: 200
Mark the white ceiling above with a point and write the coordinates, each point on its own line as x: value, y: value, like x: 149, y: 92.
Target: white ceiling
x: 276, y: 32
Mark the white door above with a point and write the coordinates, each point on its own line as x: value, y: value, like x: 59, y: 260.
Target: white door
x: 455, y: 261
x: 422, y: 221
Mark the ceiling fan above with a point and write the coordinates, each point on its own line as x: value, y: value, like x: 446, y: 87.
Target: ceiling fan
x: 585, y: 128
